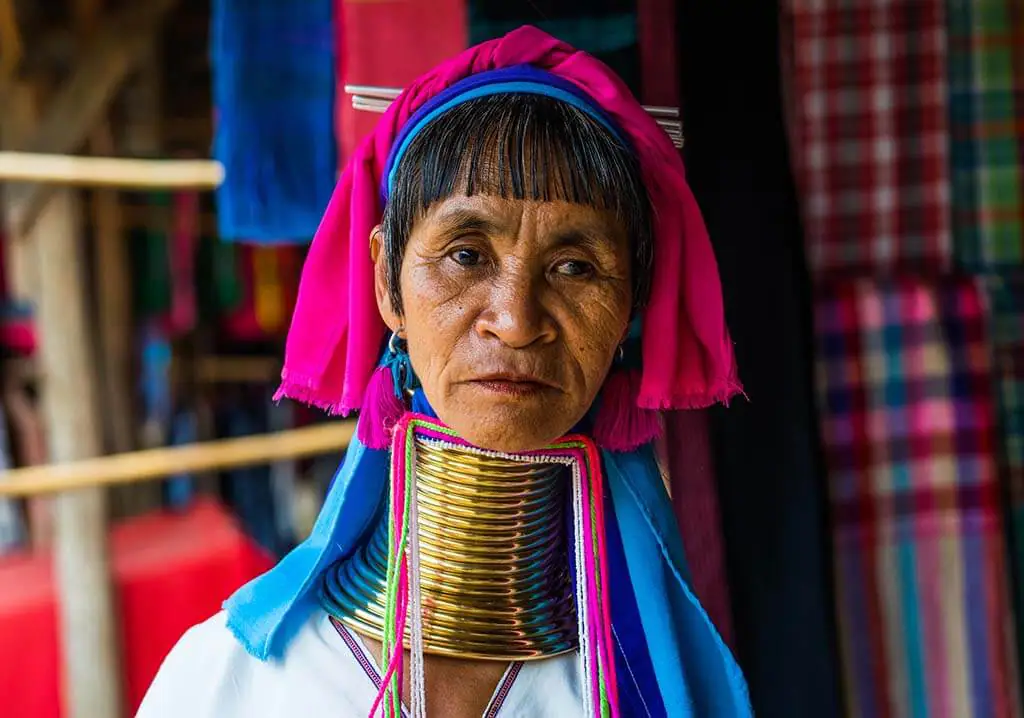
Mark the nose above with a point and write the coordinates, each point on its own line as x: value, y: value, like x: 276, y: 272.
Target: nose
x: 516, y: 314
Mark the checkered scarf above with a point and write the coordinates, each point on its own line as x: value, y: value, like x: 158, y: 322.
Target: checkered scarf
x: 986, y: 86
x: 908, y: 422
x: 867, y: 119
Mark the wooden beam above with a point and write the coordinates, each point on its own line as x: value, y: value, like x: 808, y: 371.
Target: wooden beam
x: 113, y: 53
x: 91, y: 687
x: 156, y: 464
x: 70, y: 407
x: 71, y: 170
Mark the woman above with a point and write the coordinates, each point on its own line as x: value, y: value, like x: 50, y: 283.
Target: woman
x: 511, y: 279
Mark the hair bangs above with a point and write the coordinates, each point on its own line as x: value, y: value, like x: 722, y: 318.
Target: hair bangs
x: 523, y: 147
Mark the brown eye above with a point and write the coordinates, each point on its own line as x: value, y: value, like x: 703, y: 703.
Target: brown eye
x: 466, y: 257
x: 574, y: 268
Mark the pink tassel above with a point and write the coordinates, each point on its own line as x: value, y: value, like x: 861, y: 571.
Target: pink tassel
x: 381, y: 411
x: 620, y: 424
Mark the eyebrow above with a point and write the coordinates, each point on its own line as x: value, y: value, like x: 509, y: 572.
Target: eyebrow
x: 465, y: 220
x: 457, y: 220
x: 596, y: 241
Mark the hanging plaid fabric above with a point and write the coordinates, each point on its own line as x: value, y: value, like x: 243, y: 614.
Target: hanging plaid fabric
x: 986, y: 107
x: 909, y: 434
x: 1006, y: 301
x: 867, y: 118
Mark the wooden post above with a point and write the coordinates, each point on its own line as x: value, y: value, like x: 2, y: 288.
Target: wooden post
x: 70, y: 402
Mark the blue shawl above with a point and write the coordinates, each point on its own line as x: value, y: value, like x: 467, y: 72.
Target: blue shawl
x: 669, y: 657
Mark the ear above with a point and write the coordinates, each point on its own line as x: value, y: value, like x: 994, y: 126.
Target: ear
x: 380, y: 281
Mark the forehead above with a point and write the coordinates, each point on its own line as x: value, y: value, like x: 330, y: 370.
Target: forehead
x: 497, y: 215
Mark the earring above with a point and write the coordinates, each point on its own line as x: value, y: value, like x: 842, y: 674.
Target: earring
x: 384, y: 399
x: 620, y: 423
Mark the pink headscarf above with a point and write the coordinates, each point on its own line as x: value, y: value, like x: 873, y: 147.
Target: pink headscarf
x: 337, y: 333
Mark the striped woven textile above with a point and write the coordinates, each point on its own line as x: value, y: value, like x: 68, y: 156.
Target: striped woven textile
x: 1006, y: 304
x: 908, y: 419
x: 986, y: 118
x: 867, y: 120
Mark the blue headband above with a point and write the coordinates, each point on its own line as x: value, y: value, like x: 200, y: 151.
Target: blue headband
x: 522, y: 79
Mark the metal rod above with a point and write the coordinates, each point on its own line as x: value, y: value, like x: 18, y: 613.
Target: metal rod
x: 368, y: 98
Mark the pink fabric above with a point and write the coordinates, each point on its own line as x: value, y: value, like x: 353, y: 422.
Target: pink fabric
x: 337, y: 333
x: 184, y: 238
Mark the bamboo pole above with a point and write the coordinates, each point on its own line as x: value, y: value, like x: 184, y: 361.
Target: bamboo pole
x: 110, y: 171
x: 70, y: 406
x: 156, y: 464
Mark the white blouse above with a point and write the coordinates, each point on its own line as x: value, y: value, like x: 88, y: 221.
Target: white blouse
x: 326, y: 672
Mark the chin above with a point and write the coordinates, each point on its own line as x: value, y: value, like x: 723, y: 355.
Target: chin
x: 506, y: 430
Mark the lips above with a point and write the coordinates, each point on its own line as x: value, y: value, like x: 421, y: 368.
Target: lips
x: 513, y: 384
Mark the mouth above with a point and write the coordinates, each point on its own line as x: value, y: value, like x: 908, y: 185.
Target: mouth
x: 514, y: 385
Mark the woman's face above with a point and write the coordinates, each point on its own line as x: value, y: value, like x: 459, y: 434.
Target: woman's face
x: 513, y: 311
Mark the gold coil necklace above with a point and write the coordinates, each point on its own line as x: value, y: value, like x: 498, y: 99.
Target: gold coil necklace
x: 494, y: 566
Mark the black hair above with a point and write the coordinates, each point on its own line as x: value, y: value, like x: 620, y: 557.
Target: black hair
x: 526, y: 147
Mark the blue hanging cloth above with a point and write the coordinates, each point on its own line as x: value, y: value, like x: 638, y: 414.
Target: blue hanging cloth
x: 273, y: 65
x: 180, y: 489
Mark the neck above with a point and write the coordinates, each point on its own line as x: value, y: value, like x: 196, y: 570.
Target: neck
x: 493, y: 559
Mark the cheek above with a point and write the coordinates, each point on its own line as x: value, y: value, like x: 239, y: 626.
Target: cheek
x: 594, y: 329
x: 435, y: 321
